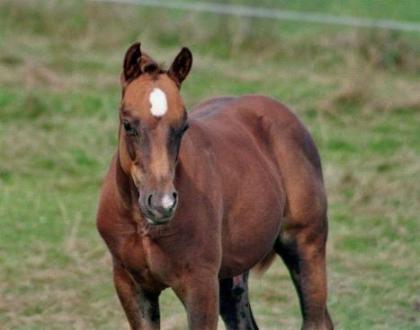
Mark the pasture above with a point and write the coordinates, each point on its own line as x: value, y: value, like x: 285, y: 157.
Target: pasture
x: 358, y: 92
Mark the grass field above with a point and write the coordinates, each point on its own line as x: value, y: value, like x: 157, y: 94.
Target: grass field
x: 358, y: 91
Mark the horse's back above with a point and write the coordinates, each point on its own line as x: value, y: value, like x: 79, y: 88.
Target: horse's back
x: 262, y: 117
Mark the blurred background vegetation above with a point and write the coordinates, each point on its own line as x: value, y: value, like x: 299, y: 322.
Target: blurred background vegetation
x: 357, y: 90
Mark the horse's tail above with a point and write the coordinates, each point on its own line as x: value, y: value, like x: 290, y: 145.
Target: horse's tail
x: 261, y: 267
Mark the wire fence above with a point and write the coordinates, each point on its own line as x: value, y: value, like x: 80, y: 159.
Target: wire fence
x: 260, y: 12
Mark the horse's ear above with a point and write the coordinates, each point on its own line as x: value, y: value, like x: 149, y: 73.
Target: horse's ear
x: 131, y: 67
x: 181, y: 66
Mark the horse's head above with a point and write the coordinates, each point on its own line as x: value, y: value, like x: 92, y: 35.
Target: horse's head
x: 152, y: 122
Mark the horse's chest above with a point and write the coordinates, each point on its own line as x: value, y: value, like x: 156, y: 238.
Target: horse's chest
x: 138, y: 257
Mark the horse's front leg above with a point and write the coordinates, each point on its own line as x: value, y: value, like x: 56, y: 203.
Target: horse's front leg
x: 200, y: 295
x: 235, y: 308
x: 140, y: 307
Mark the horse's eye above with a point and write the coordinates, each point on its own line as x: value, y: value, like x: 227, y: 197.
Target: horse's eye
x: 130, y: 130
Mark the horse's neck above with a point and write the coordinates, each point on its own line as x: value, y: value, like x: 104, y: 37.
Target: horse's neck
x: 125, y: 185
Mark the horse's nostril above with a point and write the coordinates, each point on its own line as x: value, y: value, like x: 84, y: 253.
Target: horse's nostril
x: 149, y: 201
x: 175, y: 196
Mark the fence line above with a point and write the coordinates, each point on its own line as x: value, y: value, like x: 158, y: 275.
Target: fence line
x: 249, y: 11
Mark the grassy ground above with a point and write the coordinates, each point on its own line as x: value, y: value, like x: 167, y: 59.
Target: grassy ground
x: 357, y: 91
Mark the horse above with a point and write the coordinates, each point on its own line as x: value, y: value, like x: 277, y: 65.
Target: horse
x: 193, y: 201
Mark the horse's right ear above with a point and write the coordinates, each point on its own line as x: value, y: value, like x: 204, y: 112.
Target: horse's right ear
x: 131, y: 66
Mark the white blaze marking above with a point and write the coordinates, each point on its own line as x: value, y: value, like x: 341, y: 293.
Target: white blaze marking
x: 158, y: 102
x: 167, y: 201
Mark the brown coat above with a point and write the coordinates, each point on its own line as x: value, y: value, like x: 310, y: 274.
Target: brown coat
x: 248, y: 184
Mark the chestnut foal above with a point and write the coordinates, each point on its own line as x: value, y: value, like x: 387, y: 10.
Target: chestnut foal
x: 196, y: 209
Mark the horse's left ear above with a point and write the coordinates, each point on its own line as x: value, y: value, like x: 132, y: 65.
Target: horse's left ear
x: 181, y: 66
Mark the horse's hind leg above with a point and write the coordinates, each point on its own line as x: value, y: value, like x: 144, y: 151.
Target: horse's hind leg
x: 234, y: 303
x: 303, y: 251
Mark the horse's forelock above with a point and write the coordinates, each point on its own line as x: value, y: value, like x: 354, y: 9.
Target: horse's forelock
x: 149, y: 65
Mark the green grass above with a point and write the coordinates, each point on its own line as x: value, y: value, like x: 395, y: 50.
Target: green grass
x: 407, y: 10
x: 357, y: 91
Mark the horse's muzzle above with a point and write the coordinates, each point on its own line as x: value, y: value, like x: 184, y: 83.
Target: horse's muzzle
x: 158, y: 208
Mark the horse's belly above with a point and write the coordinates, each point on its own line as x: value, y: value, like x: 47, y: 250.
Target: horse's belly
x: 252, y: 224
x: 245, y: 253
